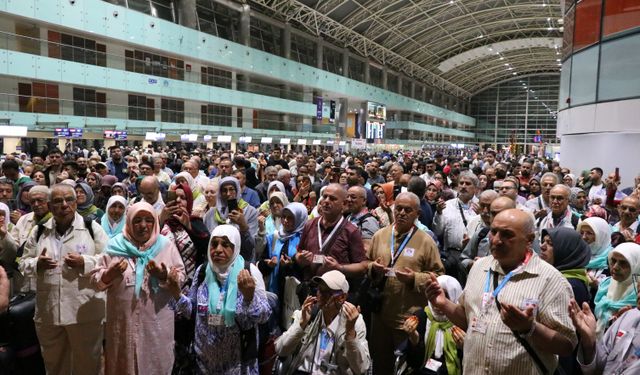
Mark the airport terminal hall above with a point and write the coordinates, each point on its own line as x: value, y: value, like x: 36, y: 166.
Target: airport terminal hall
x: 319, y: 187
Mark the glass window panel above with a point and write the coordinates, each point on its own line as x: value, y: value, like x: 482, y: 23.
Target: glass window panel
x: 619, y: 64
x: 584, y: 71
x: 587, y: 24
x: 620, y: 15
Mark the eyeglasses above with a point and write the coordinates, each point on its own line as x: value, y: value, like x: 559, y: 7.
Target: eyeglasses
x: 559, y: 198
x: 399, y: 209
x: 59, y: 201
x: 628, y: 208
x: 505, y: 188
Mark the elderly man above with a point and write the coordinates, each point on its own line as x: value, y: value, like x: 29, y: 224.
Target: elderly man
x: 150, y: 192
x: 330, y: 242
x: 358, y: 214
x: 405, y: 266
x: 69, y: 313
x: 628, y: 210
x: 452, y: 218
x: 560, y: 215
x: 514, y: 306
x: 270, y: 175
x: 284, y: 176
x: 336, y: 329
x: 192, y: 167
x: 478, y: 246
x: 38, y: 198
x: 540, y: 205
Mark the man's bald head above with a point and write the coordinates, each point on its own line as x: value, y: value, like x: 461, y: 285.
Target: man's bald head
x: 150, y: 189
x: 512, y: 232
x: 501, y: 204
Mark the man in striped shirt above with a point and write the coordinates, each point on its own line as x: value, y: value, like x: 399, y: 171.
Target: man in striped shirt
x: 514, y: 306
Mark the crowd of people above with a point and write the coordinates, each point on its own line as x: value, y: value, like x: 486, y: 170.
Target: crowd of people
x: 172, y: 261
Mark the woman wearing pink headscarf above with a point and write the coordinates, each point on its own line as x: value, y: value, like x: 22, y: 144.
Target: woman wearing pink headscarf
x: 139, y: 331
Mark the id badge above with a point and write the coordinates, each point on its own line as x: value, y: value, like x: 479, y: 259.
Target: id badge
x: 433, y: 365
x: 390, y: 273
x: 129, y: 281
x: 531, y: 303
x: 318, y: 259
x: 216, y: 320
x: 479, y: 325
x: 409, y: 251
x: 487, y: 300
x: 203, y: 309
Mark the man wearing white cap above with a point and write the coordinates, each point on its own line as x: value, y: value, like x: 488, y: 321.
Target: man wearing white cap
x: 328, y: 334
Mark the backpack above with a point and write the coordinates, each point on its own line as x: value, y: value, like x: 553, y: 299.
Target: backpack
x: 40, y: 229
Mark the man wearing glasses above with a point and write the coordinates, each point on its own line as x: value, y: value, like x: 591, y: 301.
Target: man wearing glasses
x: 401, y: 258
x: 628, y: 212
x: 328, y: 334
x: 560, y: 215
x: 60, y: 255
x: 618, y: 351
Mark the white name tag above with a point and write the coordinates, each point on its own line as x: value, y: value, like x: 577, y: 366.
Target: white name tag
x: 409, y: 251
x: 390, y: 273
x: 318, y: 259
x: 433, y: 365
x: 216, y: 320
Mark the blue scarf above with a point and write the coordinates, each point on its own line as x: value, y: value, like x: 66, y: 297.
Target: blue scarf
x: 230, y: 291
x: 277, y: 250
x: 120, y: 246
x: 107, y: 227
x: 606, y: 307
x: 601, y: 261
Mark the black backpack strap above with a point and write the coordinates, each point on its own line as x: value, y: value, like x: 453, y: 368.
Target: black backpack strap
x: 483, y: 233
x: 88, y: 224
x: 362, y: 218
x: 39, y: 231
x: 575, y: 219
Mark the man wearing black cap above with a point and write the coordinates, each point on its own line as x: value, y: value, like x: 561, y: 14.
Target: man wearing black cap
x: 328, y: 334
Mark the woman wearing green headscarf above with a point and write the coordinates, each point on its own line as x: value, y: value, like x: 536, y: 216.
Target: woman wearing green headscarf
x: 85, y: 198
x: 435, y: 344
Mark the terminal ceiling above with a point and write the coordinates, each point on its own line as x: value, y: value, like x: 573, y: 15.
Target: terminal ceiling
x: 458, y: 46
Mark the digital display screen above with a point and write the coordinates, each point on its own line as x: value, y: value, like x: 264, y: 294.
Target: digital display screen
x: 376, y: 111
x: 375, y: 130
x: 189, y: 137
x: 118, y: 135
x: 67, y: 133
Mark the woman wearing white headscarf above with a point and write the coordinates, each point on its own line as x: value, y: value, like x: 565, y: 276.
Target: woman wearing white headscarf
x: 245, y: 219
x: 596, y: 232
x: 277, y: 202
x: 433, y: 339
x: 139, y: 332
x: 227, y: 298
x: 114, y: 219
x: 198, y: 197
x: 617, y: 292
x: 8, y: 246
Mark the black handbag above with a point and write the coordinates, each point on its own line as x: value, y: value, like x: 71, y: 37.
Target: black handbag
x: 370, y: 294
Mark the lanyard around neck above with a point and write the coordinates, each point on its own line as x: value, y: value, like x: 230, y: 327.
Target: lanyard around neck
x: 322, y: 243
x: 496, y: 291
x: 395, y: 254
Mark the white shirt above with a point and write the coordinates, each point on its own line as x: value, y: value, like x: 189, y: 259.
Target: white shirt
x: 451, y: 225
x: 594, y: 190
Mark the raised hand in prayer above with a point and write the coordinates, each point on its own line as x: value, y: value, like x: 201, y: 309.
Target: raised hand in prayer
x: 45, y: 262
x: 160, y: 272
x: 410, y: 326
x: 352, y: 313
x: 246, y: 285
x: 173, y: 283
x: 74, y: 260
x: 115, y: 269
x: 307, y: 305
x: 517, y: 320
x: 434, y: 292
x: 585, y: 324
